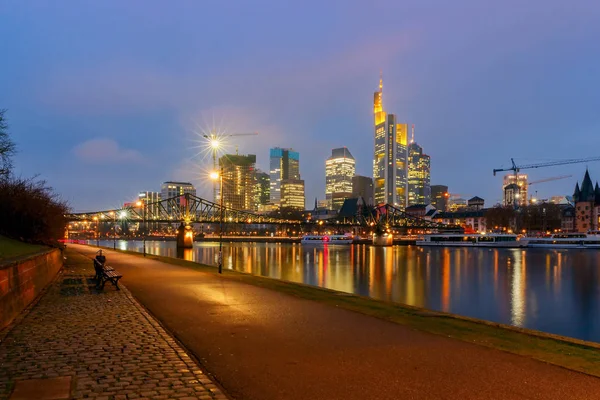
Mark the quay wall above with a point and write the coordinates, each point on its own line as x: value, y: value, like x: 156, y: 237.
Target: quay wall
x: 21, y: 281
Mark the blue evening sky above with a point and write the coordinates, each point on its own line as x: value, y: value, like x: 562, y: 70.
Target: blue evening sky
x: 109, y: 98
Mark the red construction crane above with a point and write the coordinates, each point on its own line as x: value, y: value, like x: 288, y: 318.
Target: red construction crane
x: 554, y: 178
x: 516, y: 168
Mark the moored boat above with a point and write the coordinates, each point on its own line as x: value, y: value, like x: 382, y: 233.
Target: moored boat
x: 471, y: 240
x: 326, y: 239
x: 565, y: 241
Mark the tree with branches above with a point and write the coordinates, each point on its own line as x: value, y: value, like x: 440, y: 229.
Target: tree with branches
x: 7, y: 148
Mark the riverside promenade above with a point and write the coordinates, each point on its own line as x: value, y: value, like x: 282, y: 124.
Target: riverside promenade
x: 263, y: 344
x: 76, y: 342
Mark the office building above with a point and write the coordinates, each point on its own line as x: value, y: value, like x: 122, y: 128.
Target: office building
x: 362, y: 186
x: 175, y: 190
x: 390, y: 164
x: 292, y: 194
x: 439, y: 197
x: 151, y: 208
x: 340, y: 167
x: 238, y: 181
x: 262, y: 190
x: 419, y: 176
x: 516, y: 194
x: 283, y: 164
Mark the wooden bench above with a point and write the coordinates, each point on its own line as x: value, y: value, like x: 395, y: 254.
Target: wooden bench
x: 106, y: 273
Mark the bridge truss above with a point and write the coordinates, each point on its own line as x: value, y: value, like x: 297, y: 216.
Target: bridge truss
x: 185, y: 208
x: 191, y: 209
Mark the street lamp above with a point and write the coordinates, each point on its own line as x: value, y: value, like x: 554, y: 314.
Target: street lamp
x: 143, y: 204
x: 97, y: 230
x: 215, y: 144
x: 114, y: 229
x: 214, y: 176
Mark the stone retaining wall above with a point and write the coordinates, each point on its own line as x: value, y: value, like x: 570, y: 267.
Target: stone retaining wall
x: 21, y: 281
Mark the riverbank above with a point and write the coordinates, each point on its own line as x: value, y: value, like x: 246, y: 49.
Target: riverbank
x: 566, y: 352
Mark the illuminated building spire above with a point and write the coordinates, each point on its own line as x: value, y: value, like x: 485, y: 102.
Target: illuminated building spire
x: 412, y: 137
x: 378, y: 111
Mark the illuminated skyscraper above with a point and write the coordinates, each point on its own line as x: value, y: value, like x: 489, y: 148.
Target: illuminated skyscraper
x: 512, y: 195
x: 419, y: 164
x: 171, y: 189
x: 339, y: 170
x: 292, y: 194
x: 238, y: 181
x: 284, y: 164
x: 390, y: 166
x: 261, y: 191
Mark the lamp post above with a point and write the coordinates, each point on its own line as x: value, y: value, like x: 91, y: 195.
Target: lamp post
x: 143, y: 205
x: 97, y: 230
x: 219, y: 175
x: 114, y: 214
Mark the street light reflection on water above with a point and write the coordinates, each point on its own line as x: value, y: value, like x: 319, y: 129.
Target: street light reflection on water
x: 548, y: 290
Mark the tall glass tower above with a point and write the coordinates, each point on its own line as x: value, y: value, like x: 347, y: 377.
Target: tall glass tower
x: 284, y: 164
x: 339, y: 170
x: 419, y: 174
x: 390, y: 166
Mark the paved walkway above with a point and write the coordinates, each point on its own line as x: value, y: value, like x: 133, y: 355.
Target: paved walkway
x: 261, y: 345
x: 105, y: 341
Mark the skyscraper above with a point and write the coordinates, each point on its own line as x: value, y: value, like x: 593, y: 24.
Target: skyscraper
x: 261, y: 191
x: 519, y: 194
x: 238, y: 181
x: 419, y: 164
x: 339, y: 170
x: 284, y: 164
x: 390, y: 166
x: 439, y: 197
x: 292, y: 194
x: 362, y: 186
x: 172, y: 189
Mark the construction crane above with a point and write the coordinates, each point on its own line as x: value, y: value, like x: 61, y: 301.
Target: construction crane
x: 216, y: 142
x: 516, y: 168
x: 554, y: 178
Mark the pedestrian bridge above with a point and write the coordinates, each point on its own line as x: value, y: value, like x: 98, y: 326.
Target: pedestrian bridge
x: 191, y: 209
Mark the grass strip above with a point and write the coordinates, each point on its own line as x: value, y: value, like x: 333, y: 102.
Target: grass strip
x: 562, y: 351
x: 11, y: 249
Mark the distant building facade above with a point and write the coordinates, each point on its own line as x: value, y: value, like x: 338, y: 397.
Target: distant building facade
x: 390, y: 161
x: 475, y: 203
x: 262, y: 189
x: 419, y: 175
x: 292, y: 194
x: 340, y: 167
x: 283, y: 164
x: 362, y: 186
x: 171, y: 189
x: 517, y: 194
x: 238, y: 181
x: 439, y: 197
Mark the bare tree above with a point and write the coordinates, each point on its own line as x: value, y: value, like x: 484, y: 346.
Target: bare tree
x: 7, y: 148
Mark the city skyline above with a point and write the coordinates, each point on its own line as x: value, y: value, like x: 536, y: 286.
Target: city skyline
x: 102, y: 114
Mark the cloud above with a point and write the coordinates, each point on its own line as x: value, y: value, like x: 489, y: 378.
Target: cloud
x: 104, y: 151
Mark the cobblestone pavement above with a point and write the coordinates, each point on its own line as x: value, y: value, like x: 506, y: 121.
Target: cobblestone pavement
x: 105, y: 340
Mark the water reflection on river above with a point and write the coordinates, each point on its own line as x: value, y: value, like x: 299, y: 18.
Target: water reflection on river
x: 550, y: 290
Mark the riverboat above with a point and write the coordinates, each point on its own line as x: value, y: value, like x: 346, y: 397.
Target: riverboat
x: 326, y: 239
x: 471, y: 240
x: 565, y: 241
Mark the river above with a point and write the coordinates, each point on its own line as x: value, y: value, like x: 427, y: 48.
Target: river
x: 554, y: 291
